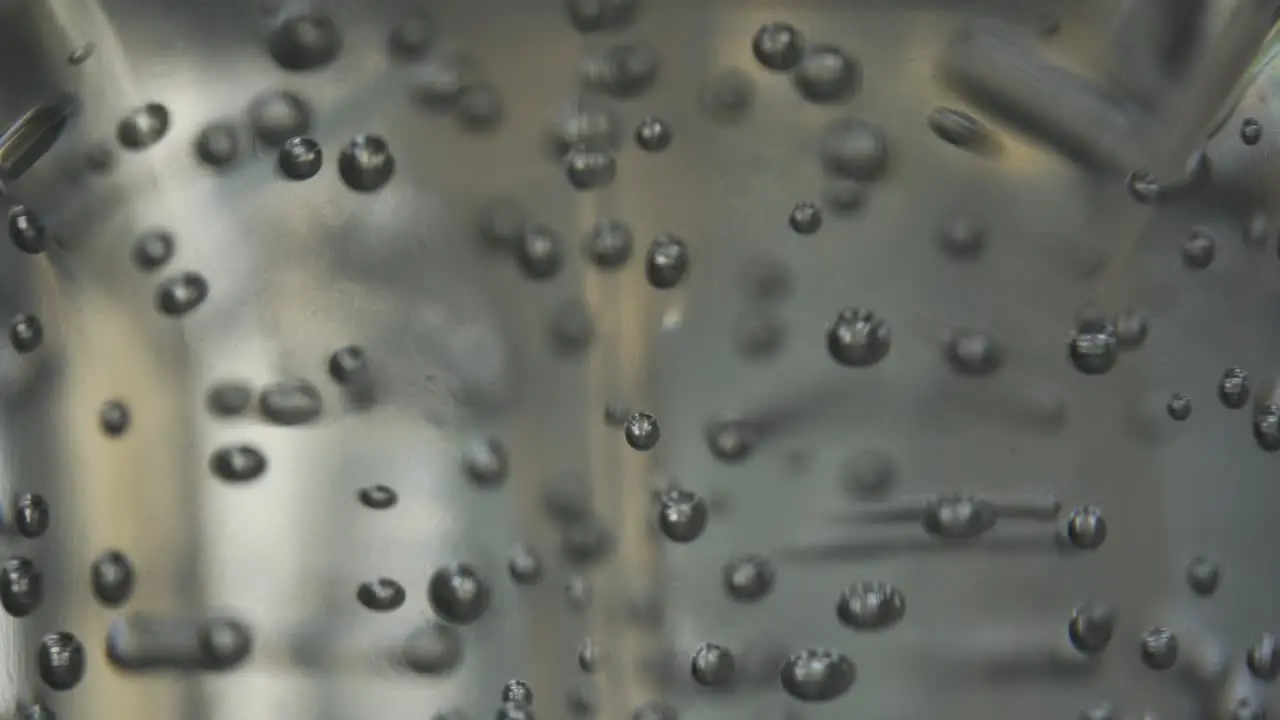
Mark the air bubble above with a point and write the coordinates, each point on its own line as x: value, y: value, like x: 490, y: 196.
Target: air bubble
x: 218, y: 145
x: 805, y: 218
x: 539, y: 252
x: 682, y: 515
x: 238, y: 463
x: 589, y: 169
x: 458, y: 594
x: 641, y: 431
x: 484, y: 462
x: 433, y: 648
x: 290, y: 402
x: 1263, y: 658
x: 143, y: 127
x: 1199, y: 250
x: 854, y: 149
x: 112, y: 578
x: 777, y: 46
x: 114, y: 418
x: 300, y: 158
x: 180, y: 294
x: 957, y: 127
x: 305, y: 42
x: 727, y: 96
x: 666, y: 262
x: 1086, y: 528
x: 1203, y: 575
x: 748, y: 578
x: 278, y: 115
x: 61, y: 661
x: 524, y: 565
x: 609, y: 244
x: 653, y: 134
x: 826, y: 74
x: 381, y: 595
x: 378, y: 497
x: 973, y: 353
x: 517, y: 691
x: 31, y: 514
x: 153, y: 250
x: 26, y: 333
x: 817, y: 675
x: 21, y: 587
x: 365, y: 163
x: 1091, y: 627
x: 591, y: 656
x: 858, y: 338
x: 1159, y: 648
x: 1250, y: 131
x: 1093, y: 349
x: 590, y: 16
x: 1179, y: 407
x: 871, y: 606
x: 480, y: 108
x: 712, y: 665
x: 26, y: 231
x: 1266, y: 427
x: 1234, y: 388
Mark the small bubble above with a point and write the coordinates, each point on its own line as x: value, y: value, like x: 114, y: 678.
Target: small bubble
x: 305, y: 42
x: 1263, y: 658
x: 609, y: 244
x: 1266, y: 427
x: 365, y: 163
x: 501, y: 223
x: 590, y: 16
x: 590, y: 656
x: 589, y: 169
x: 825, y: 74
x: 858, y: 338
x: 653, y: 134
x: 778, y: 46
x: 805, y: 218
x: 1179, y: 407
x: 524, y: 565
x: 517, y: 691
x: 278, y: 115
x: 484, y: 462
x: 1203, y: 575
x: 871, y: 606
x: 957, y: 127
x: 973, y: 353
x: 868, y: 474
x: 378, y: 497
x: 290, y: 402
x: 411, y: 37
x: 854, y: 149
x: 539, y: 252
x: 1131, y: 330
x: 300, y: 158
x: 1086, y: 528
x: 571, y: 327
x: 1199, y: 249
x: 682, y: 515
x: 112, y: 578
x: 727, y: 96
x: 81, y: 54
x: 843, y: 196
x: 439, y: 80
x: 153, y: 250
x: 181, y: 293
x: 957, y: 516
x: 143, y: 127
x: 1250, y: 131
x: 962, y: 237
x: 224, y: 643
x: 712, y: 665
x: 21, y: 587
x: 578, y: 593
x: 480, y: 108
x: 349, y: 365
x: 1159, y: 648
x: 730, y: 441
x: 1143, y: 187
x: 817, y: 675
x: 622, y: 71
x: 238, y: 463
x: 1234, y: 388
x: 26, y: 231
x: 747, y: 579
x: 1258, y: 230
x: 1091, y: 626
x: 381, y: 595
x: 641, y: 431
x: 229, y: 398
x: 218, y: 145
x: 1093, y: 348
x: 585, y: 121
x: 666, y: 262
x: 31, y: 515
x: 432, y: 648
x: 114, y: 418
x: 60, y: 658
x: 458, y: 594
x: 26, y: 333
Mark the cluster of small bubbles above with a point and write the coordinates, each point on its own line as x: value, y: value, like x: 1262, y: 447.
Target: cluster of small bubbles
x: 153, y: 250
x: 871, y: 605
x: 1199, y: 249
x: 411, y: 37
x: 1234, y: 388
x: 590, y: 168
x: 962, y: 237
x: 591, y: 16
x: 143, y: 127
x: 1263, y: 658
x: 1143, y: 187
x: 578, y: 593
x: 238, y: 463
x: 727, y: 96
x: 1203, y: 575
x: 854, y: 149
x: 641, y: 431
x: 805, y: 218
x: 817, y: 675
x: 653, y: 134
x: 377, y: 497
x: 591, y: 656
x: 26, y: 333
x: 958, y: 516
x: 682, y: 515
x: 278, y: 115
x: 858, y: 338
x: 517, y: 691
x: 624, y: 70
x: 365, y: 163
x: 229, y: 398
x: 1086, y: 528
x: 1091, y: 626
x: 539, y: 252
x: 748, y: 578
x: 111, y: 575
x: 571, y: 327
x: 114, y: 418
x: 21, y: 587
x: 974, y: 353
x: 218, y: 145
x: 300, y: 158
x: 307, y: 41
x: 31, y: 514
x: 179, y: 294
x: 484, y: 462
x: 381, y: 595
x: 730, y: 440
x: 27, y: 231
x: 1250, y: 131
x: 957, y: 127
x: 524, y: 565
x: 713, y: 665
x: 609, y: 244
x: 61, y: 660
x: 758, y: 334
x: 868, y: 474
x: 666, y: 262
x: 457, y: 593
x: 826, y: 74
x: 778, y: 46
x: 1093, y: 348
x: 1266, y: 427
x: 290, y: 402
x: 843, y: 196
x: 1158, y: 648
